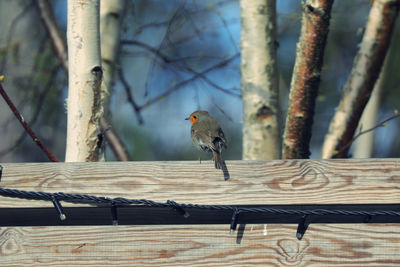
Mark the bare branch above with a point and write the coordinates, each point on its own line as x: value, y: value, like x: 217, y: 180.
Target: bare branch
x: 141, y: 28
x: 129, y: 95
x: 225, y: 23
x: 173, y: 62
x: 47, y: 17
x: 221, y: 110
x: 41, y: 99
x: 381, y: 124
x: 156, y: 52
x: 187, y: 81
x: 14, y: 23
x: 180, y: 63
x: 366, y: 68
x: 115, y: 144
x: 165, y: 39
x: 26, y: 126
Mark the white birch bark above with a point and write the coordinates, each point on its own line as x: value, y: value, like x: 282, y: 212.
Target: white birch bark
x: 364, y: 145
x: 111, y: 16
x: 261, y: 127
x: 85, y: 75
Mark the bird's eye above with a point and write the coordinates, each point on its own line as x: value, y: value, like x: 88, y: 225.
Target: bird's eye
x: 194, y: 117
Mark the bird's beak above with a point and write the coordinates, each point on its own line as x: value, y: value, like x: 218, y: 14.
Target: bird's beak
x: 187, y: 118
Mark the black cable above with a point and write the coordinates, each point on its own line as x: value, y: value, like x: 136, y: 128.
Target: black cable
x: 89, y: 199
x: 55, y: 198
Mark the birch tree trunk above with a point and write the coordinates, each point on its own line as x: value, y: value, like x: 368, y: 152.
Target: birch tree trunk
x: 364, y: 145
x: 108, y: 9
x: 85, y: 76
x: 306, y: 78
x: 111, y: 16
x: 260, y: 90
x: 366, y: 68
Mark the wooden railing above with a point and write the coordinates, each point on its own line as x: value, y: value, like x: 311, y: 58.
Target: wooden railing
x: 283, y: 182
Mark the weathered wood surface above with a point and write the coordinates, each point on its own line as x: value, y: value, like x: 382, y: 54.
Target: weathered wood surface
x: 200, y: 245
x: 251, y: 182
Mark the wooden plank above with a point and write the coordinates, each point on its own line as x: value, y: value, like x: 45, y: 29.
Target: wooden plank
x: 350, y: 181
x: 200, y: 245
x: 251, y: 182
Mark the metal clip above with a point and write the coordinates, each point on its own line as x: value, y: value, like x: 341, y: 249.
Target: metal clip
x: 301, y: 229
x: 367, y: 219
x: 59, y: 208
x: 178, y: 208
x: 114, y: 214
x: 235, y: 216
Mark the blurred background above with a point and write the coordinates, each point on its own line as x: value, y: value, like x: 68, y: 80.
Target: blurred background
x: 176, y: 57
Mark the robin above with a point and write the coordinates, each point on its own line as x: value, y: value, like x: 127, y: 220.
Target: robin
x: 207, y: 135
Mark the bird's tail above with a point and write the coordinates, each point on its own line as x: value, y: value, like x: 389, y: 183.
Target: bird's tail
x: 217, y: 159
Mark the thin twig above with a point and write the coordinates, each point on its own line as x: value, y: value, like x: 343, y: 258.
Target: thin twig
x: 381, y: 124
x: 185, y: 82
x: 115, y: 144
x: 166, y: 42
x: 47, y: 17
x: 13, y: 26
x: 165, y: 39
x: 26, y: 98
x: 221, y: 109
x: 204, y: 28
x: 39, y: 105
x: 228, y: 31
x: 156, y: 52
x: 366, y: 68
x: 131, y: 100
x: 26, y: 126
x: 189, y: 13
x: 168, y: 60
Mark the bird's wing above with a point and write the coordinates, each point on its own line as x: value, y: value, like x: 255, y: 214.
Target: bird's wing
x: 202, y: 138
x: 222, y: 137
x: 217, y: 136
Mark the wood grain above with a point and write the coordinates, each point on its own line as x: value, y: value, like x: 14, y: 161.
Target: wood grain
x: 251, y: 182
x: 200, y: 245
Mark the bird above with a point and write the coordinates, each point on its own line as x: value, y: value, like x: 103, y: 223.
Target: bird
x: 207, y: 135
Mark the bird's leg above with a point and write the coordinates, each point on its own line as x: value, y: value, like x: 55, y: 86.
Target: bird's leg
x: 200, y: 159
